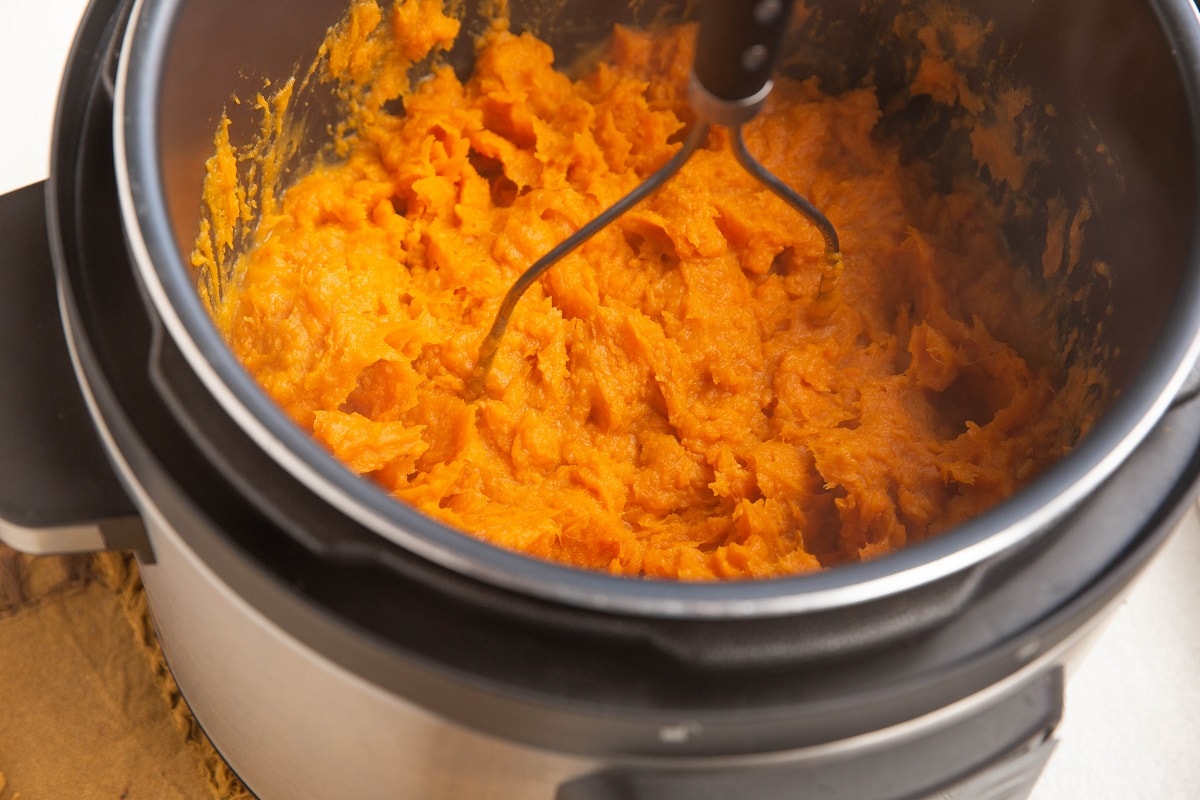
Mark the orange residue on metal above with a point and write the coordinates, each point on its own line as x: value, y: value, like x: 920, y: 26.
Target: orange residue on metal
x: 949, y: 70
x: 1064, y: 236
x: 999, y: 144
x: 662, y: 405
x: 950, y: 46
x: 1056, y: 235
x: 1075, y: 235
x: 938, y: 77
x: 226, y: 208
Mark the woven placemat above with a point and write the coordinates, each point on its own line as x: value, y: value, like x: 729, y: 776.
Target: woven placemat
x: 88, y: 708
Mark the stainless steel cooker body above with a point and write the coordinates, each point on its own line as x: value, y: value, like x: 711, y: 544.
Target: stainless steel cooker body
x: 334, y: 644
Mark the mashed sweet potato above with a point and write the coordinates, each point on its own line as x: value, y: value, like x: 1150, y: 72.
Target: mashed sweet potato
x: 666, y: 402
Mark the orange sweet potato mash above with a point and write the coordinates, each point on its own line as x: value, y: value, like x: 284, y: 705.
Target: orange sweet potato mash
x: 669, y: 401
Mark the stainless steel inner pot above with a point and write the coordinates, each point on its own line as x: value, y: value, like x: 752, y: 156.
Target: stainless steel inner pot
x: 1121, y: 78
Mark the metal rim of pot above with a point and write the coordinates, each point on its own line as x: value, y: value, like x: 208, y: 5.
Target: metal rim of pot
x: 166, y: 280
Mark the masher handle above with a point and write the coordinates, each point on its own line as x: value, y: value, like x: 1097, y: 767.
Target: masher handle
x: 738, y: 45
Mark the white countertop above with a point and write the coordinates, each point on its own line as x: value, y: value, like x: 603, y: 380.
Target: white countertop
x: 1132, y: 726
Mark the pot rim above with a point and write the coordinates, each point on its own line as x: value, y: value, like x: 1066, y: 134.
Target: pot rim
x: 164, y: 277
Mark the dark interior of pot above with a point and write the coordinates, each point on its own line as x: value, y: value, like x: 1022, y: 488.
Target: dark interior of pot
x: 1104, y: 123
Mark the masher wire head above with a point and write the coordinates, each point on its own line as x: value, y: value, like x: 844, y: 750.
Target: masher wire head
x: 737, y: 48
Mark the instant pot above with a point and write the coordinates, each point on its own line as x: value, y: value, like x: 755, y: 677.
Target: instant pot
x: 334, y: 643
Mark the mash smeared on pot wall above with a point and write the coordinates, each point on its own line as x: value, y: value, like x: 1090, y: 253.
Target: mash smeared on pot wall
x: 669, y: 401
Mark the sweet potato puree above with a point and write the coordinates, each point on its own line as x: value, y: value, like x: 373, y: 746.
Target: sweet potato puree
x: 669, y: 401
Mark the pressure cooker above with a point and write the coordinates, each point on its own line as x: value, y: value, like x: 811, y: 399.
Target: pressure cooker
x: 333, y: 642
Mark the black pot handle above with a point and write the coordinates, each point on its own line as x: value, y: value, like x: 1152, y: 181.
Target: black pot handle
x: 58, y: 491
x: 999, y: 751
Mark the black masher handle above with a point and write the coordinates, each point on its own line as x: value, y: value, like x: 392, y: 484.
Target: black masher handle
x: 738, y: 45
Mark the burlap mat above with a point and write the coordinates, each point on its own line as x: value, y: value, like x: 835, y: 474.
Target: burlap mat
x: 88, y: 708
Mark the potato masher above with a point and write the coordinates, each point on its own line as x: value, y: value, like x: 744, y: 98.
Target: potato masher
x: 737, y: 48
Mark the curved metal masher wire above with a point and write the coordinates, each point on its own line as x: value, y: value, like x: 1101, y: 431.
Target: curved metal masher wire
x: 827, y: 290
x: 491, y: 342
x: 769, y: 179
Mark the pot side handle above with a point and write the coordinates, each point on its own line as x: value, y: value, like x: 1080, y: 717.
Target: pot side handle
x: 58, y: 492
